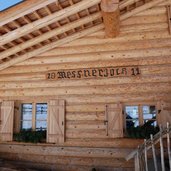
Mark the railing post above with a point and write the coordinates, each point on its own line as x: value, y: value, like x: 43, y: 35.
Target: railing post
x: 136, y: 162
x: 140, y: 164
x: 162, y: 150
x: 154, y: 153
x: 168, y: 144
x: 145, y: 155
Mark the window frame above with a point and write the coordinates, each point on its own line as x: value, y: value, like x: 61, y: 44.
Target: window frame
x: 140, y: 112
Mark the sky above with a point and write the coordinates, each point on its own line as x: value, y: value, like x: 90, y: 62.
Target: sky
x: 4, y: 4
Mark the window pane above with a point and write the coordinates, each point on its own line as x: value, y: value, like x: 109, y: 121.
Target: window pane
x: 26, y: 124
x: 41, y: 111
x: 131, y: 112
x: 149, y: 112
x: 41, y: 125
x: 132, y: 116
x: 26, y: 111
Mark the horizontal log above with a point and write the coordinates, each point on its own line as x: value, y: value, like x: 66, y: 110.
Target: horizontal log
x: 157, y: 10
x: 101, y: 34
x: 96, y: 116
x: 147, y: 59
x: 21, y: 84
x: 93, y: 90
x: 160, y: 18
x: 86, y: 126
x: 65, y: 151
x: 31, y: 76
x: 103, y: 99
x: 42, y: 166
x: 134, y: 45
x: 93, y: 134
x: 85, y: 108
x: 146, y: 28
x: 99, y: 143
x: 69, y: 160
x: 142, y: 8
x: 124, y: 98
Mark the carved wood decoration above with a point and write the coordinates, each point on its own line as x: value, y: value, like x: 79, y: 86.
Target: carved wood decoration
x: 107, y: 72
x: 111, y: 17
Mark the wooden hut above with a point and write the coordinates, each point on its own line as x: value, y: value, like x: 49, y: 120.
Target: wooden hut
x: 84, y: 71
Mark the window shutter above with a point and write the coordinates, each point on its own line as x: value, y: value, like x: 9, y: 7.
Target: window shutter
x: 165, y: 113
x: 56, y: 121
x: 115, y: 120
x: 7, y: 119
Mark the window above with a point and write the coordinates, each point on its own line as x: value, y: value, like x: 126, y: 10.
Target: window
x: 34, y: 116
x: 136, y: 115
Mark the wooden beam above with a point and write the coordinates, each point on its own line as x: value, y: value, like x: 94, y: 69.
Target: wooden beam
x: 50, y: 34
x: 51, y: 46
x: 84, y: 4
x: 126, y: 3
x: 23, y: 9
x: 111, y: 17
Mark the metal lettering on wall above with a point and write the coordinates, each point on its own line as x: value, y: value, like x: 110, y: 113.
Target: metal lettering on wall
x: 106, y: 72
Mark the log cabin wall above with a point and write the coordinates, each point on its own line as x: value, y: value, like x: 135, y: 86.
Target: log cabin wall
x: 144, y: 41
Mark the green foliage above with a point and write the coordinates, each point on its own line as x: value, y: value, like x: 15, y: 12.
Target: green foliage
x: 143, y: 131
x: 30, y: 136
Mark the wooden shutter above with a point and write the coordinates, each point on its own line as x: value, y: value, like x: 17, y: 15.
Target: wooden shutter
x: 164, y: 113
x: 7, y: 119
x: 114, y: 119
x: 56, y: 121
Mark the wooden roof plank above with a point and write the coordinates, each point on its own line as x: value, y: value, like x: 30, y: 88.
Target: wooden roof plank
x: 50, y: 34
x: 64, y: 13
x: 47, y: 20
x: 51, y: 46
x: 23, y: 9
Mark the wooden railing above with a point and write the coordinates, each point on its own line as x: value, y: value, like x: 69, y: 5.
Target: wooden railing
x: 151, y: 156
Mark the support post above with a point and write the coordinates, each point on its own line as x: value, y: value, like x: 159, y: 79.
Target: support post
x: 111, y: 17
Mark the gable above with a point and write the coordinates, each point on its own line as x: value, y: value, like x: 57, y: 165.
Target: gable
x: 56, y: 24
